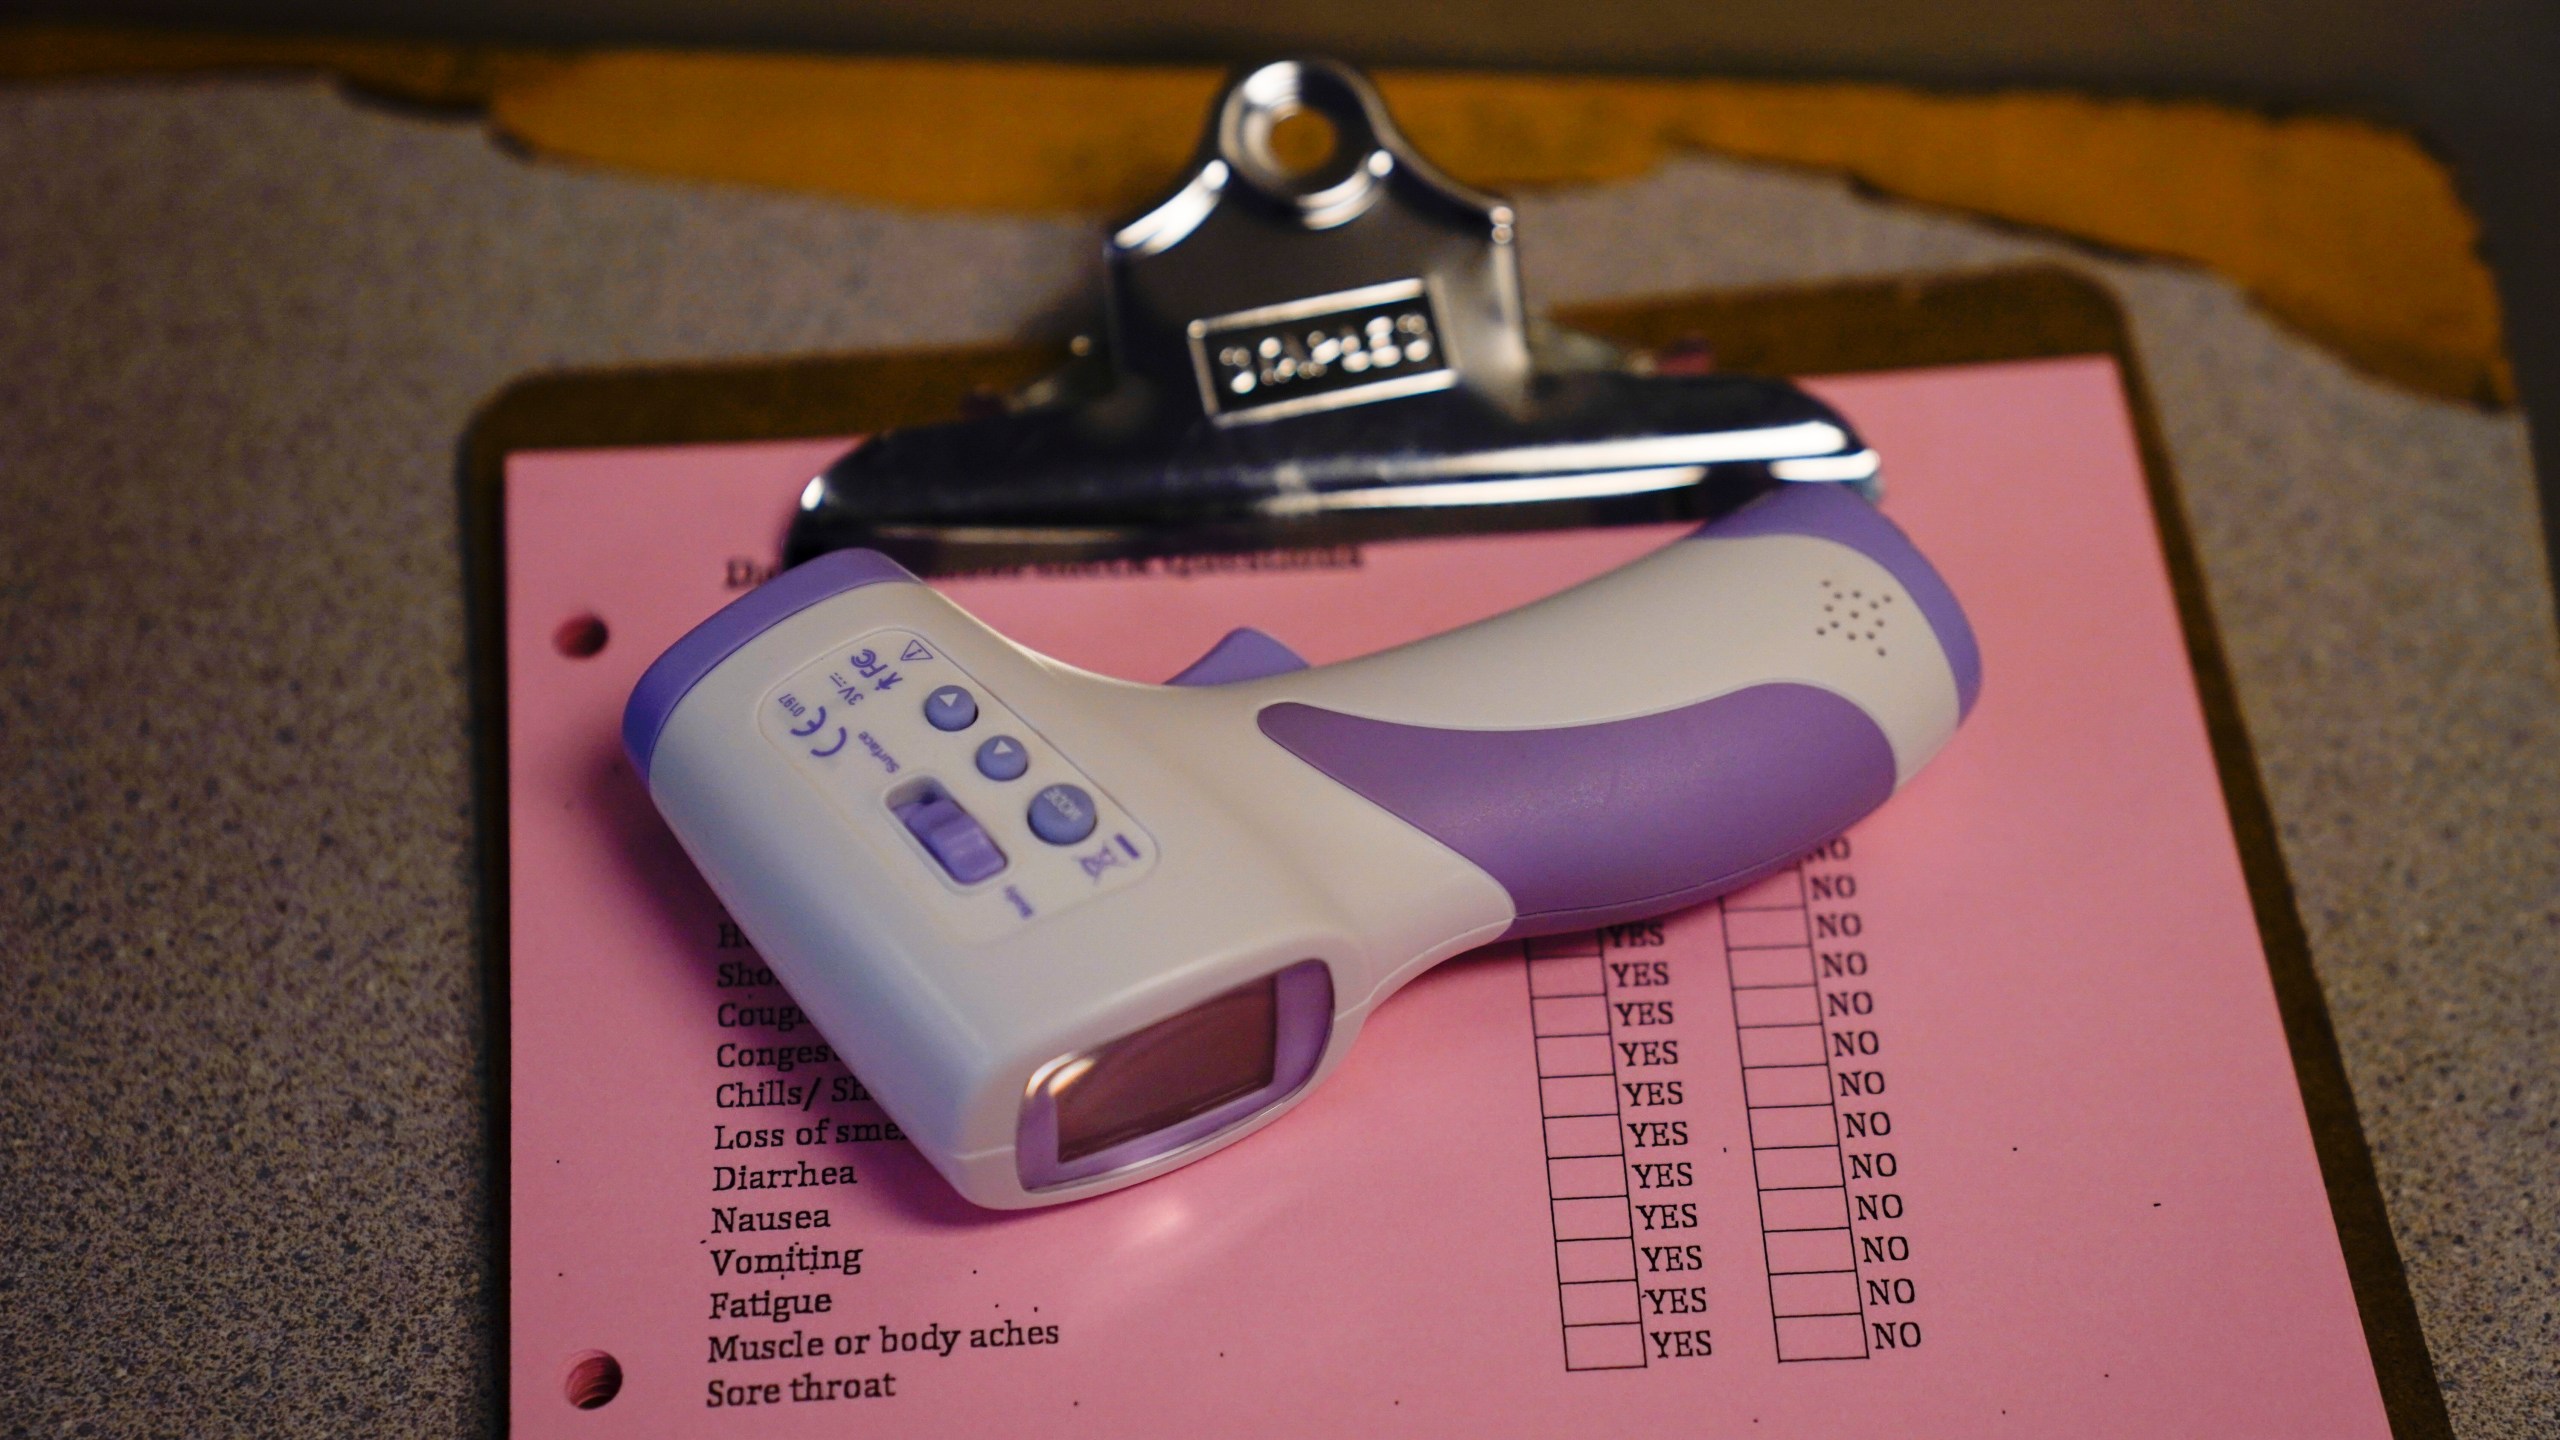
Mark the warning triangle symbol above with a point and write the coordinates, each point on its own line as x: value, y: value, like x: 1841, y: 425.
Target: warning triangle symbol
x: 915, y: 651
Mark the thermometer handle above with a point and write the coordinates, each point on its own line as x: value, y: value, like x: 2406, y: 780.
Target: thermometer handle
x: 1669, y: 731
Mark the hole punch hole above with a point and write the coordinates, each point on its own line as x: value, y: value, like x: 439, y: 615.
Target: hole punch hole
x: 1298, y: 142
x: 594, y: 1378
x: 580, y: 637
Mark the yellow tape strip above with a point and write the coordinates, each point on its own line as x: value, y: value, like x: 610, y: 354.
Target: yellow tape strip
x: 2351, y: 233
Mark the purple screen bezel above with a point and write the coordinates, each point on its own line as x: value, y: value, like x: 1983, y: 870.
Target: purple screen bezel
x: 1303, y: 1017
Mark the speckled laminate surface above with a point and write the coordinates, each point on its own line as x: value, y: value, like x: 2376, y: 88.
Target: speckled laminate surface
x: 245, y: 1174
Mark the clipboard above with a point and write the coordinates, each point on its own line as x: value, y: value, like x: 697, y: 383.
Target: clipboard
x: 2028, y: 314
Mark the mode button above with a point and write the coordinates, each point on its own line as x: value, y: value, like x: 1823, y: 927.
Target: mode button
x: 1062, y: 814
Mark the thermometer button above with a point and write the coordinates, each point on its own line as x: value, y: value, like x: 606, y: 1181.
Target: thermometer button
x: 951, y: 708
x: 1003, y: 758
x: 1062, y: 814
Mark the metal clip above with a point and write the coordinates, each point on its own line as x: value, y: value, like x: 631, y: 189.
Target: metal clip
x: 1316, y: 337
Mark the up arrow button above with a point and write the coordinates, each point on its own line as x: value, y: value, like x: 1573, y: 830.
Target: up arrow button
x: 951, y: 708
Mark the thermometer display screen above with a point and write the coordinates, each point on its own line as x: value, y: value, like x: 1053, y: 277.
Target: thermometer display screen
x: 1163, y: 1075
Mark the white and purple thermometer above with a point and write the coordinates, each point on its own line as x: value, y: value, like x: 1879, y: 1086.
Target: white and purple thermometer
x: 1074, y: 932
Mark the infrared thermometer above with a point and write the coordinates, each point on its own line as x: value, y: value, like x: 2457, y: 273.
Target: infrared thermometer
x: 1074, y: 932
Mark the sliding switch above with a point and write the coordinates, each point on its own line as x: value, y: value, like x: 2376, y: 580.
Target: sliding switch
x: 951, y: 835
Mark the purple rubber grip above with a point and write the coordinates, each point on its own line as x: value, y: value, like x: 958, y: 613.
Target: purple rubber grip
x: 675, y: 673
x: 1596, y: 824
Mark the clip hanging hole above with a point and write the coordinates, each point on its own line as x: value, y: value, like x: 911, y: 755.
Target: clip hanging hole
x: 594, y: 1378
x: 580, y: 637
x: 1300, y: 132
x: 1298, y: 142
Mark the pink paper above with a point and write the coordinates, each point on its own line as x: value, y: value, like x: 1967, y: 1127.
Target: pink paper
x: 1991, y: 1105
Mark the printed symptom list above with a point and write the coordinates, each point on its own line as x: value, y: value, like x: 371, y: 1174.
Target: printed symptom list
x: 778, y: 1259
x: 1978, y: 1121
x: 1621, y: 1018
x: 782, y: 1244
x: 1778, y: 985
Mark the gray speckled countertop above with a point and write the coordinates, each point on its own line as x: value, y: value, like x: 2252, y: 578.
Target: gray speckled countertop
x: 246, y: 1179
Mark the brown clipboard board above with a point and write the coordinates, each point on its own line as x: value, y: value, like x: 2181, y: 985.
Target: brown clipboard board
x: 2034, y: 312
